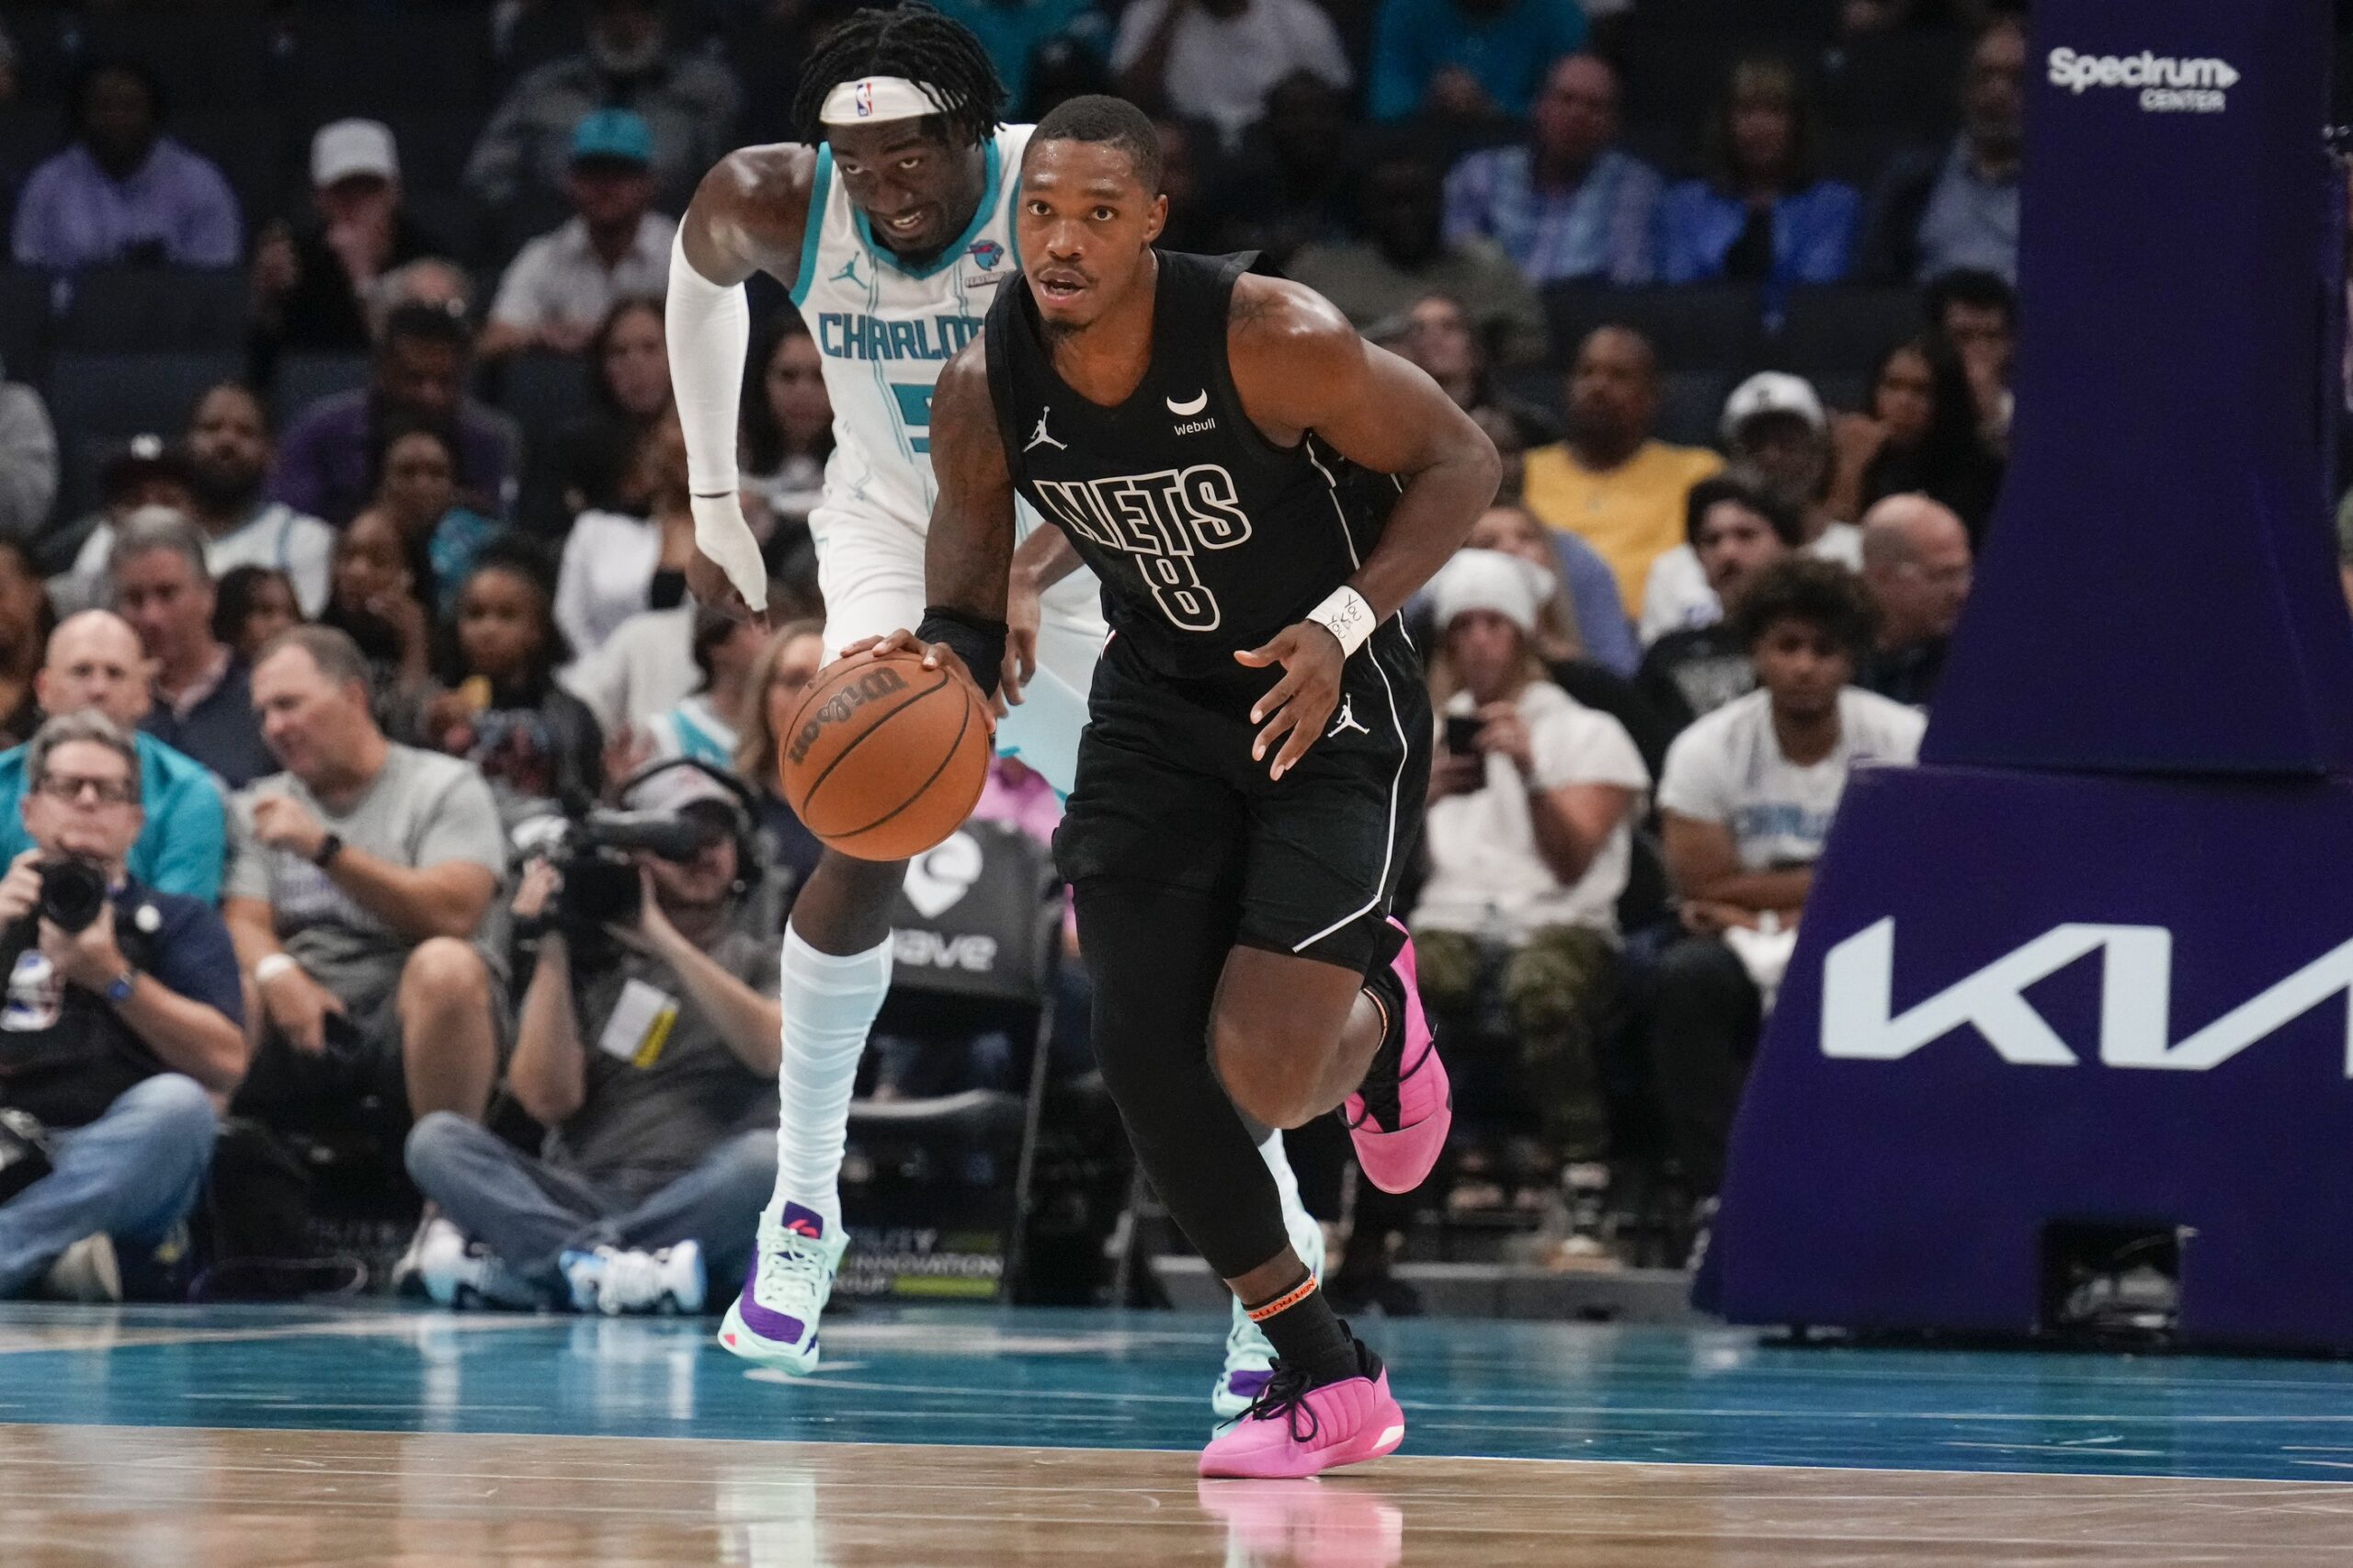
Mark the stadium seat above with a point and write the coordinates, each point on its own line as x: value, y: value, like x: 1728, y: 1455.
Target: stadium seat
x: 207, y: 56
x: 434, y: 144
x: 1859, y: 154
x: 154, y: 310
x: 28, y: 134
x: 303, y: 379
x: 1665, y: 146
x: 24, y: 324
x: 543, y: 391
x: 98, y: 400
x: 981, y: 962
x: 1673, y: 75
x: 1699, y: 326
x: 1691, y: 407
x: 44, y: 58
x: 456, y: 223
x: 1795, y: 21
x: 1843, y: 391
x: 1537, y: 384
x: 1842, y: 328
x: 1899, y: 81
x: 248, y: 145
x: 347, y: 64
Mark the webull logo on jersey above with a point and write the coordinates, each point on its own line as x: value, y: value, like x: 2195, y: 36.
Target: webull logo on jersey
x: 847, y: 334
x: 2168, y: 86
x: 879, y: 682
x: 1860, y: 1023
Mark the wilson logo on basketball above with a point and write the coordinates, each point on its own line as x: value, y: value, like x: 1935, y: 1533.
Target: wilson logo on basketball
x: 879, y: 682
x: 886, y: 757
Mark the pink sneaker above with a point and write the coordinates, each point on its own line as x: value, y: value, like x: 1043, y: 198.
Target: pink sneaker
x: 1294, y: 1430
x: 1400, y: 1124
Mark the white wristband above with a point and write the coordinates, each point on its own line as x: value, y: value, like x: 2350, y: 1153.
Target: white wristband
x: 1347, y: 616
x: 273, y: 965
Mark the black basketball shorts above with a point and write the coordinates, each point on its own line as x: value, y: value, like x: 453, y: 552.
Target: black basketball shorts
x: 1168, y: 794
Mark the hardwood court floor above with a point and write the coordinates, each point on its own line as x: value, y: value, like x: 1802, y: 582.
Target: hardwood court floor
x: 213, y: 1498
x: 310, y: 1439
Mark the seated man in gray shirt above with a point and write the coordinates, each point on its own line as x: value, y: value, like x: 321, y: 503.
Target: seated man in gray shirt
x: 359, y: 876
x: 647, y: 1049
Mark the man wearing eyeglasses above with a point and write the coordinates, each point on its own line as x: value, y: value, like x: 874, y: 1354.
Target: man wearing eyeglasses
x: 117, y: 1028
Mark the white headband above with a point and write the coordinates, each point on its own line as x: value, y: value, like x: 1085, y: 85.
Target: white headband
x: 877, y: 97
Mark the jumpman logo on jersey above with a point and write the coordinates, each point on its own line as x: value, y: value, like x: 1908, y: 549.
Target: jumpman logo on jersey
x: 848, y: 274
x: 1347, y: 718
x: 1038, y: 438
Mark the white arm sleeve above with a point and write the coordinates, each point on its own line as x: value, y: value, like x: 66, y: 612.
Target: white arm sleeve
x: 709, y: 329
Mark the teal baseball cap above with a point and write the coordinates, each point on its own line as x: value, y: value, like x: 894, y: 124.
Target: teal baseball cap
x: 617, y: 134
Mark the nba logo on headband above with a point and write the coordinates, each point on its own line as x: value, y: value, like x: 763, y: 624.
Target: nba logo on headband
x: 878, y: 98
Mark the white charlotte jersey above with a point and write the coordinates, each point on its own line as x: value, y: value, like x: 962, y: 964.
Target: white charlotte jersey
x: 886, y: 329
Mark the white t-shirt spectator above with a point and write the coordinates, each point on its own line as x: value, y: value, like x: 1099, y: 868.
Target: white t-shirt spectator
x: 607, y: 572
x: 422, y: 810
x: 645, y: 668
x: 560, y: 278
x: 1729, y: 768
x: 1487, y: 876
x: 1220, y: 68
x: 1675, y: 597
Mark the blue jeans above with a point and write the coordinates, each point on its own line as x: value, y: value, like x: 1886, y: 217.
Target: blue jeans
x: 529, y: 1213
x: 133, y: 1174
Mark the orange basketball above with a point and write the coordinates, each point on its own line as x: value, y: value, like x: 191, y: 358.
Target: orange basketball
x: 884, y: 759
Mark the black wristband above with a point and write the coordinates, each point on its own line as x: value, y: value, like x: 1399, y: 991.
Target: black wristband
x: 977, y: 639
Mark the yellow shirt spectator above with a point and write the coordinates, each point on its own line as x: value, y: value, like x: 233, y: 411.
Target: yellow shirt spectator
x: 1631, y: 514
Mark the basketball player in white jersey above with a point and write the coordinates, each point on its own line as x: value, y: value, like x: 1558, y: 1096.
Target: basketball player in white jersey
x: 893, y: 227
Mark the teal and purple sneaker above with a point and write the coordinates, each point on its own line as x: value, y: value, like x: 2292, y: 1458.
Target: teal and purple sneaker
x: 774, y: 1321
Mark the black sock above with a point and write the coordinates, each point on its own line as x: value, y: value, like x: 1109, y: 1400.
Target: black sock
x: 1387, y: 988
x: 1308, y: 1335
x: 1378, y: 1088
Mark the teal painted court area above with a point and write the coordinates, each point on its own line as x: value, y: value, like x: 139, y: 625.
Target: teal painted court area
x: 1069, y: 1379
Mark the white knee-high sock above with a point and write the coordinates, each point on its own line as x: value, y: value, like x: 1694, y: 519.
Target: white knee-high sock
x: 829, y: 1005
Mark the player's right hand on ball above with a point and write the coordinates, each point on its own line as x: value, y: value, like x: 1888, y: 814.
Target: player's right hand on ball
x: 936, y: 656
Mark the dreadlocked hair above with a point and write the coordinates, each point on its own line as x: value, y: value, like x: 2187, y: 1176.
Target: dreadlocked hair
x: 909, y: 41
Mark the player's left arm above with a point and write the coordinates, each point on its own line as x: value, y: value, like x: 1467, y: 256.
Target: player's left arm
x: 968, y: 556
x: 1044, y: 559
x: 1299, y: 365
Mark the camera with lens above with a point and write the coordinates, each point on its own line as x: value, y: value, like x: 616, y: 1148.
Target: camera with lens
x: 73, y: 892
x: 595, y: 855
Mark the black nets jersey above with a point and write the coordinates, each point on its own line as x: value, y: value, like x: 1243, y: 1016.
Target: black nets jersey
x: 1206, y: 537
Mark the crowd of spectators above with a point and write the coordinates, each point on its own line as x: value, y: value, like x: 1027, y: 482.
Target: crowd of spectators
x: 392, y: 566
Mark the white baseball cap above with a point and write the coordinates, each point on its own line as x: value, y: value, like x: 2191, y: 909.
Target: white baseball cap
x: 1490, y: 580
x: 1772, y: 391
x: 351, y: 147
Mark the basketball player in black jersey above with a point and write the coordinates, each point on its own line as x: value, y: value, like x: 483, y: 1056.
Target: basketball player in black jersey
x: 1259, y: 491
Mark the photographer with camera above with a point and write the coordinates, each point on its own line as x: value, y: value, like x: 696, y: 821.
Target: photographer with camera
x: 122, y: 1019
x: 647, y: 1046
